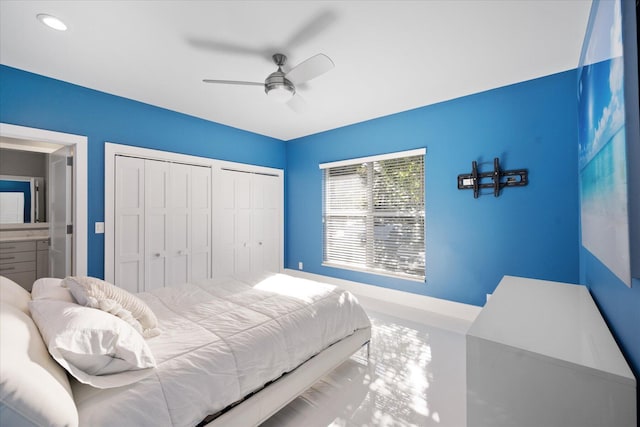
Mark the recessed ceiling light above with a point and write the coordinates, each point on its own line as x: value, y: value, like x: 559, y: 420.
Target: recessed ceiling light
x: 52, y: 22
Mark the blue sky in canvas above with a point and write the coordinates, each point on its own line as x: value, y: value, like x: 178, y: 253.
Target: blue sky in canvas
x: 600, y: 89
x: 601, y: 103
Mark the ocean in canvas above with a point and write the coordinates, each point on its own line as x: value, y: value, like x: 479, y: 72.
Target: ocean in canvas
x: 603, y: 191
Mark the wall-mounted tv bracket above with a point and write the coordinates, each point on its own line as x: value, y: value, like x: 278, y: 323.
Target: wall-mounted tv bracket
x: 473, y: 180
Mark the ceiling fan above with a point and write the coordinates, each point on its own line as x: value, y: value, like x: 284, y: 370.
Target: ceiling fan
x: 281, y: 86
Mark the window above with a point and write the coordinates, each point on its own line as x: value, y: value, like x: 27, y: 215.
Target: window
x: 373, y: 214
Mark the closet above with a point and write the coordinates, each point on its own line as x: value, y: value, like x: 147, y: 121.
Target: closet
x: 248, y: 223
x: 162, y: 223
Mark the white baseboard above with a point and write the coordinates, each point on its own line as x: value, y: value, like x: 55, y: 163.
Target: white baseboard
x: 387, y: 297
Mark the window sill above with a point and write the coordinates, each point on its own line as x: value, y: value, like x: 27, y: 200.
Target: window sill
x: 375, y: 272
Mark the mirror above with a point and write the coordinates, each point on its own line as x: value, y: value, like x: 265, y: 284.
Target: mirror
x: 22, y: 200
x: 24, y: 166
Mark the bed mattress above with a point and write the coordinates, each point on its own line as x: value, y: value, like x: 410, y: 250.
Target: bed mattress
x: 222, y: 340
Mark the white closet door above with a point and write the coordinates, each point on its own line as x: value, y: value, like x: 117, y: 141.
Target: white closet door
x: 233, y: 239
x: 248, y: 225
x: 224, y: 253
x: 200, y: 222
x: 242, y: 225
x: 180, y: 224
x: 129, y: 223
x: 265, y: 223
x: 156, y: 235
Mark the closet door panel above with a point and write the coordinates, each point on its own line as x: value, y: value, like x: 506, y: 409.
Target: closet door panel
x: 242, y: 224
x: 224, y: 224
x: 129, y: 223
x: 156, y: 224
x: 200, y: 222
x: 266, y: 223
x: 180, y: 214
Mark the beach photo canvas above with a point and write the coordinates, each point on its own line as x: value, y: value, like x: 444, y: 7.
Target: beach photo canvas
x: 602, y: 142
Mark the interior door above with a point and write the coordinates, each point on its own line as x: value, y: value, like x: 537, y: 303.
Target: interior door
x: 200, y: 222
x: 60, y: 212
x: 156, y: 224
x: 129, y: 224
x: 248, y: 208
x: 232, y: 248
x: 224, y: 228
x: 265, y: 223
x: 179, y: 256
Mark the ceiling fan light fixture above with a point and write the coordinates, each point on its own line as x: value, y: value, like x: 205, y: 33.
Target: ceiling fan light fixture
x: 280, y: 93
x: 278, y: 87
x: 52, y: 22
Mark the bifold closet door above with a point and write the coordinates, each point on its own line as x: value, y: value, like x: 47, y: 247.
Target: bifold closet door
x: 248, y: 228
x: 200, y: 223
x: 129, y: 223
x: 163, y: 223
x: 265, y: 223
x: 232, y: 254
x: 156, y: 224
x: 180, y: 223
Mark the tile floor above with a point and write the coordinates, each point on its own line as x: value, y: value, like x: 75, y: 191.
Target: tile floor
x: 415, y: 377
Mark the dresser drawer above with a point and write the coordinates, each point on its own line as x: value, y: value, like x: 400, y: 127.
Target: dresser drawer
x: 17, y: 267
x: 11, y: 257
x: 6, y: 247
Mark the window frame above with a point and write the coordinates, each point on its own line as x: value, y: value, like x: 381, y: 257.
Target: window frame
x: 371, y: 215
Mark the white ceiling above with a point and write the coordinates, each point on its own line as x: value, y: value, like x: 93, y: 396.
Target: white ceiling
x: 390, y: 56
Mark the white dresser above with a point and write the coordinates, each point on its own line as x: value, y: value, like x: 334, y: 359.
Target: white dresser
x: 540, y: 354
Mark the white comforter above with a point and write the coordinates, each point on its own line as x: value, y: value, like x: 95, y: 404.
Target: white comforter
x: 220, y: 341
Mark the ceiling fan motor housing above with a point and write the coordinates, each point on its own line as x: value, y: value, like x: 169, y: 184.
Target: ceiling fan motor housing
x: 278, y: 83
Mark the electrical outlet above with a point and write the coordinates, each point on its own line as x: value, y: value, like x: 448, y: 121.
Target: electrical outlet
x: 488, y: 297
x: 99, y: 227
x: 300, y: 265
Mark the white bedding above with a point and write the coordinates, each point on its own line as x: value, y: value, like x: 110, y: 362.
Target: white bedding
x: 220, y: 341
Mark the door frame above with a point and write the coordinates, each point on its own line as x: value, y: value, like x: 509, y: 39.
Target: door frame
x: 80, y: 184
x: 111, y: 150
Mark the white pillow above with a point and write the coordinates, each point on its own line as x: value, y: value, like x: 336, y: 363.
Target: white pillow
x: 96, y: 293
x: 95, y: 347
x: 13, y: 294
x: 50, y: 288
x: 34, y: 389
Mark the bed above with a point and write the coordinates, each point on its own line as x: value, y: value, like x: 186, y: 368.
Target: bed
x: 225, y: 352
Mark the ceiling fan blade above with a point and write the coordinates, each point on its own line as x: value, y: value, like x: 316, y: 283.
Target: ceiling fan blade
x: 298, y: 104
x: 222, y: 46
x: 310, y: 69
x: 311, y: 29
x: 233, y: 82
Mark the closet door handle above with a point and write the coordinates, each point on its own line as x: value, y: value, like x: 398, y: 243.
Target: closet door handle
x: 157, y: 255
x: 260, y: 243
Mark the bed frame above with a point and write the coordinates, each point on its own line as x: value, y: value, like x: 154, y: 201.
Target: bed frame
x: 267, y: 401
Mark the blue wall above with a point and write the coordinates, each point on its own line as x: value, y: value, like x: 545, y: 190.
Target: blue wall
x: 36, y: 101
x: 471, y: 243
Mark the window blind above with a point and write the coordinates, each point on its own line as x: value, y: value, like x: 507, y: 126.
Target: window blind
x: 373, y: 215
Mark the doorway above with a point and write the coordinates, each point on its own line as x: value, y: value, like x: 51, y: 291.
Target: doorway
x: 78, y: 178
